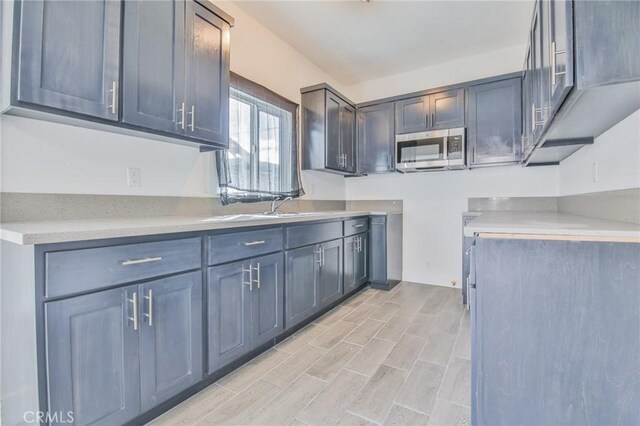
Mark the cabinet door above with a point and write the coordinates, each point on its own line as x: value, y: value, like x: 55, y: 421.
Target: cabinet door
x: 561, y: 51
x: 527, y: 82
x: 412, y: 115
x: 70, y: 56
x: 378, y: 250
x: 349, y: 264
x: 537, y: 113
x: 301, y: 284
x: 229, y: 313
x: 330, y: 274
x: 93, y: 360
x: 494, y: 122
x: 333, y: 150
x: 268, y: 298
x: 376, y: 138
x: 447, y: 109
x: 171, y: 336
x: 348, y: 137
x: 362, y: 260
x: 153, y: 70
x: 207, y: 75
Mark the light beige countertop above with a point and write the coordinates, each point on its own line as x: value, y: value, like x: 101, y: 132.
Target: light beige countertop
x: 42, y: 232
x: 550, y: 224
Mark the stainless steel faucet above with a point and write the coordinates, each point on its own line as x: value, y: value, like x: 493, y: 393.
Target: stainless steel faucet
x: 277, y: 203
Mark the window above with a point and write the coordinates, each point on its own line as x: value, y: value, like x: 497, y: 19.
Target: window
x: 262, y: 162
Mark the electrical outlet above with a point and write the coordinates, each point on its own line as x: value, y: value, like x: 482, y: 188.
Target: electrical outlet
x: 133, y: 177
x: 594, y: 171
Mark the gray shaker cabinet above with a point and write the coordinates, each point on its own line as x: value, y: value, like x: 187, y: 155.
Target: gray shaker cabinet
x: 356, y: 261
x: 376, y: 138
x: 494, y: 123
x: 153, y: 81
x: 328, y: 123
x: 176, y: 70
x: 441, y: 110
x: 330, y: 272
x: 69, y: 56
x: 447, y: 109
x: 412, y: 115
x: 556, y: 333
x: 207, y: 75
x: 302, y: 297
x: 93, y: 357
x: 229, y: 312
x: 171, y: 336
x: 561, y: 54
x: 268, y: 298
x: 245, y: 307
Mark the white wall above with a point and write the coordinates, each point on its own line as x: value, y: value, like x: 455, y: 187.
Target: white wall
x: 488, y: 64
x: 433, y: 204
x: 39, y: 156
x: 617, y: 155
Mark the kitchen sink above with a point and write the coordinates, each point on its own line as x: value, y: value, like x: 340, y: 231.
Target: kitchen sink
x: 257, y: 216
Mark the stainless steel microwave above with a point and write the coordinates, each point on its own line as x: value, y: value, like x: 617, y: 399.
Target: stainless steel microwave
x: 435, y: 150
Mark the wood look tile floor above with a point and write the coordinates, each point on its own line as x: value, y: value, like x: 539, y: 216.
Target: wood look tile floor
x: 380, y: 358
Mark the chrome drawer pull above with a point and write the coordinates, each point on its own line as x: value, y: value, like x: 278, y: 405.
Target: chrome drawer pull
x: 140, y: 261
x: 254, y: 243
x: 359, y: 225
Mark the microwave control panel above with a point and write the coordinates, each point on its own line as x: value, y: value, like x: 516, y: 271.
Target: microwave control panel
x: 455, y: 147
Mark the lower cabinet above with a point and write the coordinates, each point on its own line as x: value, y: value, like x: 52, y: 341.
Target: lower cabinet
x: 356, y: 268
x: 171, y: 336
x: 114, y: 354
x: 314, y: 279
x: 245, y: 307
x: 330, y: 272
x: 302, y: 296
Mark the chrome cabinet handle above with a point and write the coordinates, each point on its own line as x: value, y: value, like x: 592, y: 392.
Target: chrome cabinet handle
x: 257, y: 269
x: 253, y: 243
x: 359, y: 225
x: 141, y: 261
x: 250, y: 282
x: 149, y: 316
x: 134, y: 302
x: 555, y: 53
x: 182, y: 118
x: 114, y: 97
x: 192, y: 113
x: 319, y: 259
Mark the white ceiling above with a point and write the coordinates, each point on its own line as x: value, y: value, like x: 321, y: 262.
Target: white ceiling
x: 354, y: 41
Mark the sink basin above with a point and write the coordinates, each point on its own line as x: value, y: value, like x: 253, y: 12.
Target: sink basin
x: 256, y: 216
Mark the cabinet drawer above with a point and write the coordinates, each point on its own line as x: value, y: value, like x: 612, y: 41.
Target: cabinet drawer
x: 239, y: 245
x: 302, y: 235
x: 356, y: 226
x: 75, y: 271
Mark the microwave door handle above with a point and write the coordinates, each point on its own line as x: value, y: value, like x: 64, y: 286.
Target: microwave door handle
x: 445, y: 147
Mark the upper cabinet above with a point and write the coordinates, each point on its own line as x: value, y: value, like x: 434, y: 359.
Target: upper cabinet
x: 581, y: 76
x: 69, y: 56
x: 412, y: 115
x: 442, y: 110
x: 173, y: 81
x: 376, y: 138
x: 176, y: 77
x: 494, y: 123
x: 153, y: 69
x: 328, y: 130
